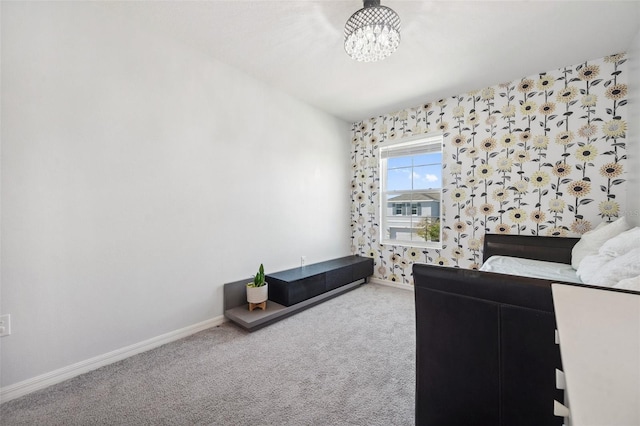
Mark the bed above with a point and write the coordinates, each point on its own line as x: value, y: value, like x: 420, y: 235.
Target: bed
x: 486, y: 350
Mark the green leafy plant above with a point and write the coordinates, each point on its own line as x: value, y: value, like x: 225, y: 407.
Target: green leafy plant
x: 258, y: 280
x: 434, y: 232
x: 429, y: 229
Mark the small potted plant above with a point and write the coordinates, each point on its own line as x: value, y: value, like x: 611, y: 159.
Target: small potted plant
x: 258, y: 289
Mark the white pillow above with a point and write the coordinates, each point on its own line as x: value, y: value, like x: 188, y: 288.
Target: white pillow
x: 591, y: 241
x: 590, y: 265
x: 617, y: 269
x: 622, y: 243
x: 629, y: 284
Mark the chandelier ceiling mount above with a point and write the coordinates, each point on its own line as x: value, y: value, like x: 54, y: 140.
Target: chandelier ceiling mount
x: 372, y: 33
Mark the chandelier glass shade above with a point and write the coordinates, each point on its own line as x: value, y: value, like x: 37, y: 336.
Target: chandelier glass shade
x: 372, y: 33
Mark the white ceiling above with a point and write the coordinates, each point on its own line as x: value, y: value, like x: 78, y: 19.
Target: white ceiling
x: 447, y: 47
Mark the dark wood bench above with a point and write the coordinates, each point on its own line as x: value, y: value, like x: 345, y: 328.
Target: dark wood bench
x: 296, y: 289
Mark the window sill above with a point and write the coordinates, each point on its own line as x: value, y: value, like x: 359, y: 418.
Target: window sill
x: 413, y: 244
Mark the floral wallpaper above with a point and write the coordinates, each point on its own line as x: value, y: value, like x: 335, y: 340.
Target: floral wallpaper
x: 542, y: 155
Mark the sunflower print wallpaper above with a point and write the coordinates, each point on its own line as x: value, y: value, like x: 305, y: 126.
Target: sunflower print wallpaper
x: 542, y: 155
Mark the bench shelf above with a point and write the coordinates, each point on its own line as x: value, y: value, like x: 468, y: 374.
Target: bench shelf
x: 296, y: 289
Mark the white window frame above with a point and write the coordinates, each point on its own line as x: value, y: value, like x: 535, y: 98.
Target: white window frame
x: 416, y: 145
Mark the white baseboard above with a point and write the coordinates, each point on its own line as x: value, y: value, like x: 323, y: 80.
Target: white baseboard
x: 391, y: 284
x: 25, y: 387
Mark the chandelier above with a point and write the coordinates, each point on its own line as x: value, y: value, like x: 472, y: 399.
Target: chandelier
x: 372, y: 33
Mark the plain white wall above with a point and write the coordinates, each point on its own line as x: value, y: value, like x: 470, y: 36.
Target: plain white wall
x: 138, y: 176
x: 633, y: 138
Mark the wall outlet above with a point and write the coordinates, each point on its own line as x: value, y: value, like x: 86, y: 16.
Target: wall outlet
x: 303, y: 260
x: 5, y: 325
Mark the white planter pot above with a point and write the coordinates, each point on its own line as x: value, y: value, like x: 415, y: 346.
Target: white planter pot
x: 258, y: 294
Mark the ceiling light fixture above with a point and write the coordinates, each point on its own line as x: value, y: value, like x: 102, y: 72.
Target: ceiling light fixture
x: 372, y: 33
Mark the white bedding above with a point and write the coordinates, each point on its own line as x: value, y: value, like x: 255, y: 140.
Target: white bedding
x: 531, y: 268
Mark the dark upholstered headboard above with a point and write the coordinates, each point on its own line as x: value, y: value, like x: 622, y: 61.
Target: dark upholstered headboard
x: 551, y: 249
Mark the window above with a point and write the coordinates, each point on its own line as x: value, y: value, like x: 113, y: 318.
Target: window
x: 410, y: 192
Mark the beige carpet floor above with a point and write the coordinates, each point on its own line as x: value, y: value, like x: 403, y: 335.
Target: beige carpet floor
x: 348, y: 361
